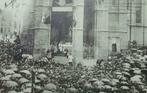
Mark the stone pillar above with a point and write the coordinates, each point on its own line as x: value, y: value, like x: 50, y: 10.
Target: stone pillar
x: 77, y: 38
x: 101, y: 29
x: 42, y: 11
x: 145, y: 20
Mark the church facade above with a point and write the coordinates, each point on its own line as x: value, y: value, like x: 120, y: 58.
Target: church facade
x: 98, y: 27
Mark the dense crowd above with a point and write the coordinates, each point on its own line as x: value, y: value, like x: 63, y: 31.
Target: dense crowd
x: 120, y: 73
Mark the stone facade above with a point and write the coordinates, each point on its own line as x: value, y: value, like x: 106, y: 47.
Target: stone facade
x: 110, y: 26
x: 139, y: 22
x: 14, y: 14
x: 42, y: 9
x: 110, y: 29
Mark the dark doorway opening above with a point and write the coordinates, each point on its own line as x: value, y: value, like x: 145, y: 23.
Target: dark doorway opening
x: 114, y: 47
x: 61, y: 27
x: 61, y: 32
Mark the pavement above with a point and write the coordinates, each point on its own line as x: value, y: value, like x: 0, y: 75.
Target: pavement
x: 61, y: 59
x: 64, y: 60
x: 89, y: 62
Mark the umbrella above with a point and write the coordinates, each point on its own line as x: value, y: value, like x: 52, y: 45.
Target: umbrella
x: 46, y: 91
x: 5, y: 78
x: 124, y: 83
x: 93, y: 80
x: 1, y: 90
x: 135, y: 68
x: 12, y: 92
x: 138, y: 76
x: 126, y: 65
x: 124, y: 87
x: 143, y: 65
x: 25, y: 72
x: 114, y: 82
x: 126, y: 69
x: 87, y: 85
x: 126, y: 73
x: 28, y: 90
x: 27, y: 56
x: 137, y: 71
x: 114, y: 89
x: 50, y: 86
x: 41, y: 71
x: 37, y: 81
x: 123, y: 78
x: 136, y: 79
x: 8, y: 72
x: 98, y: 83
x: 28, y: 85
x: 10, y: 84
x: 38, y: 87
x: 71, y: 90
x: 120, y: 76
x: 144, y: 90
x: 44, y: 59
x: 107, y: 87
x: 23, y: 80
x: 131, y: 61
x: 118, y: 73
x: 16, y: 75
x: 140, y: 83
x: 42, y: 76
x: 13, y: 67
x: 106, y: 80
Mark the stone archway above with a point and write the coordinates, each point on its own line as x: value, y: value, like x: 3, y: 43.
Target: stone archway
x: 42, y: 31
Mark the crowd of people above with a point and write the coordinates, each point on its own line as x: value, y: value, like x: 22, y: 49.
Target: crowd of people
x: 121, y: 73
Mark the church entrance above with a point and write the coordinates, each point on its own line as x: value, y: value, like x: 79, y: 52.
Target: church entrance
x: 61, y: 27
x: 61, y: 30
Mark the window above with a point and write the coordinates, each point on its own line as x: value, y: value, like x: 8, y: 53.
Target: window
x: 114, y: 47
x: 128, y: 4
x: 138, y: 15
x: 69, y: 1
x: 1, y: 30
x: 114, y: 19
x: 5, y: 4
x: 138, y: 11
x: 114, y: 2
x: 55, y: 3
x: 101, y: 1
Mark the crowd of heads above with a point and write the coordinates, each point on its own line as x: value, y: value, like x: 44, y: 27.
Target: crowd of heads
x: 117, y: 74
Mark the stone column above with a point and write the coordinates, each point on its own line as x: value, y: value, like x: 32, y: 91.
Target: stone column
x: 41, y: 28
x: 101, y: 29
x: 145, y: 20
x: 77, y: 38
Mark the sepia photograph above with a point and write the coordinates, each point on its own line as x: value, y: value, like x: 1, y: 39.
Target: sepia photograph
x: 73, y: 46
